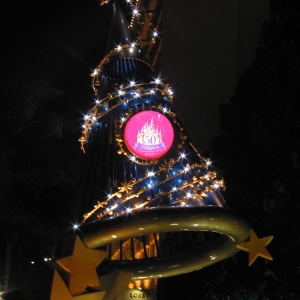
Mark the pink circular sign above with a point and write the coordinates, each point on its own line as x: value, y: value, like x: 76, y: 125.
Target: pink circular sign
x: 149, y: 134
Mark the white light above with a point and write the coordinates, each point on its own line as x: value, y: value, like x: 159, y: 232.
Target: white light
x: 32, y: 262
x: 186, y: 169
x: 114, y: 236
x: 94, y: 118
x: 122, y: 119
x: 128, y: 209
x: 97, y: 101
x: 152, y: 91
x: 86, y: 117
x: 120, y: 92
x: 133, y: 158
x: 174, y: 189
x: 150, y: 173
x: 135, y: 11
x: 75, y: 226
x: 132, y: 82
x: 157, y: 81
x: 216, y: 186
x: 182, y: 155
x: 164, y: 110
x: 137, y: 95
x: 208, y: 162
x: 119, y: 48
x: 188, y: 195
x: 170, y: 92
x: 155, y: 33
x: 132, y: 45
x: 139, y: 205
x: 95, y: 72
x: 149, y: 185
x: 83, y: 126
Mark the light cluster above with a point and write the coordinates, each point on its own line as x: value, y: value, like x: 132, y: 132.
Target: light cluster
x: 126, y: 48
x: 177, y: 180
x: 121, y: 98
x: 170, y: 173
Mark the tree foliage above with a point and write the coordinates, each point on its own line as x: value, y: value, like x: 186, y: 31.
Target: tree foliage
x: 258, y: 148
x: 258, y: 152
x: 35, y: 189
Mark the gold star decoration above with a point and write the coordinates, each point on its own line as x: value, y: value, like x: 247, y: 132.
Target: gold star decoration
x: 167, y: 166
x: 256, y: 247
x: 81, y: 267
x: 60, y: 291
x: 127, y: 187
x: 198, y: 193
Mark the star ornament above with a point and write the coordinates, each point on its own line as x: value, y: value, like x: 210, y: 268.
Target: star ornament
x: 82, y: 267
x: 256, y: 247
x: 60, y: 291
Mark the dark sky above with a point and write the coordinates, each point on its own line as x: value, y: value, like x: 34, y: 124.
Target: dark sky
x: 207, y: 44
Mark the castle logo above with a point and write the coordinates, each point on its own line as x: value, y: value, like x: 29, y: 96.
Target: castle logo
x: 149, y: 134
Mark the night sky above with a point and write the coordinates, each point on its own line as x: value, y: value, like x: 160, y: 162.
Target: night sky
x: 207, y: 44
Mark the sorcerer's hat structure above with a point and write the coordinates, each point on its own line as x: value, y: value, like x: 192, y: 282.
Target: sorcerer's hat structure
x: 150, y: 205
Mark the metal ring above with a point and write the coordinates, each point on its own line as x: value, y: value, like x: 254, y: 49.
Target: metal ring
x: 232, y: 228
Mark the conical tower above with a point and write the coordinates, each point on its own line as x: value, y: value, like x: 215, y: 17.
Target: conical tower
x: 150, y: 205
x: 143, y: 176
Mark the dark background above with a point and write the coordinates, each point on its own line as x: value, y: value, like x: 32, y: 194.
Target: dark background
x: 214, y: 53
x: 207, y: 45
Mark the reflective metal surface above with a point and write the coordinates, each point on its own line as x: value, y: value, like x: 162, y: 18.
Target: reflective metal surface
x: 232, y: 228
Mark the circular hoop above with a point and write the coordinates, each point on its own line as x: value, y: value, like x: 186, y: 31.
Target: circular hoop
x: 232, y: 228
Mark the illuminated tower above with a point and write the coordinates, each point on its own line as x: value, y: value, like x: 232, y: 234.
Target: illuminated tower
x: 148, y: 198
x: 143, y: 176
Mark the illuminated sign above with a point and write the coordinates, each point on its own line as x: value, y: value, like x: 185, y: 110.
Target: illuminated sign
x: 147, y: 294
x: 149, y: 134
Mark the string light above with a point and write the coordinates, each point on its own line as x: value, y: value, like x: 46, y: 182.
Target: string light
x: 128, y: 95
x: 196, y: 193
x: 188, y: 184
